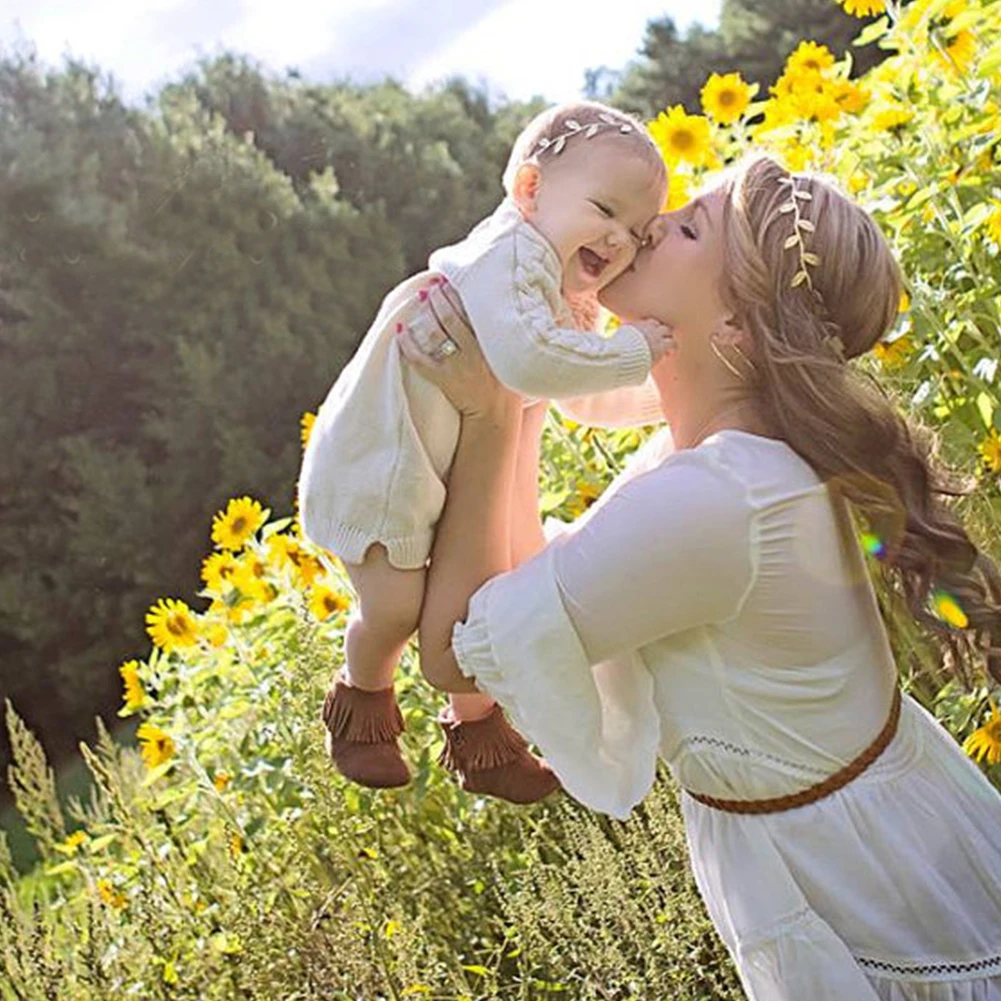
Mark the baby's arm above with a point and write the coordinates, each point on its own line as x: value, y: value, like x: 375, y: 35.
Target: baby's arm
x: 509, y: 304
x: 630, y: 406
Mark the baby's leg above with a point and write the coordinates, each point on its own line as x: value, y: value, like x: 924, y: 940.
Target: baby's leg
x: 385, y: 617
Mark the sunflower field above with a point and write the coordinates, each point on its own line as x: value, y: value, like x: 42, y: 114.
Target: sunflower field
x: 225, y: 859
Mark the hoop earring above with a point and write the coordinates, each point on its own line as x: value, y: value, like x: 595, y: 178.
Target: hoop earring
x: 726, y: 361
x: 743, y: 357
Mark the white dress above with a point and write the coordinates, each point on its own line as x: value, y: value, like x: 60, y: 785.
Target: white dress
x: 705, y: 611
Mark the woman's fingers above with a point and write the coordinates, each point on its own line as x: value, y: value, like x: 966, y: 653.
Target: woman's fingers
x: 412, y: 350
x: 447, y: 309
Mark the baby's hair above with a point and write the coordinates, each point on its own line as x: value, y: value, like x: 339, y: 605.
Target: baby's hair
x: 579, y: 122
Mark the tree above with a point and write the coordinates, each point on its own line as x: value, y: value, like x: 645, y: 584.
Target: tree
x: 753, y: 37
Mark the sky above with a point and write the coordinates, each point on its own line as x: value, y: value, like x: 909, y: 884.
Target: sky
x: 516, y: 48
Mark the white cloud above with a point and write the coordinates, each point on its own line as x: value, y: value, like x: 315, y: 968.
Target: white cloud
x: 517, y: 47
x: 531, y: 47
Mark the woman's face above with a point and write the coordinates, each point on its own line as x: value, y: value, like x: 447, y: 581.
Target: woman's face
x: 677, y: 278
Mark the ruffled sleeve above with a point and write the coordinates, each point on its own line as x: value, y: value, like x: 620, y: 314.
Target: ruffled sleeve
x: 595, y: 724
x: 558, y: 641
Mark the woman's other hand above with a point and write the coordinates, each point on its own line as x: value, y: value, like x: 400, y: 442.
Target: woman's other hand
x: 448, y: 355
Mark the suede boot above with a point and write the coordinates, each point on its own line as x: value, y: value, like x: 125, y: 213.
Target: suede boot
x: 362, y: 730
x: 489, y: 756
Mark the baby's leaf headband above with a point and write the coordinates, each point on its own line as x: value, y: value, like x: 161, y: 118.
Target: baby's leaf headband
x: 574, y: 128
x: 807, y: 259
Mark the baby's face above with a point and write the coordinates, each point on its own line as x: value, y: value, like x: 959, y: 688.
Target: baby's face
x: 594, y: 210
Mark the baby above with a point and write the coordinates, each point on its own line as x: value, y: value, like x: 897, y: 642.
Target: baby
x: 582, y: 182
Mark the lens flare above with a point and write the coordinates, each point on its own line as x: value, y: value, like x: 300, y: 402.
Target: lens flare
x: 949, y: 609
x: 873, y: 545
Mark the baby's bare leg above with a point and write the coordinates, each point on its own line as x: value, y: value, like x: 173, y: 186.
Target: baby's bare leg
x: 385, y: 616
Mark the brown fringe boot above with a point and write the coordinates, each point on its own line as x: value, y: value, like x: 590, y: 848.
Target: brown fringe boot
x: 489, y: 756
x: 362, y: 728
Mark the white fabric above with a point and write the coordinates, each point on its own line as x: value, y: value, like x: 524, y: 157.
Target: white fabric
x: 375, y: 466
x: 705, y: 610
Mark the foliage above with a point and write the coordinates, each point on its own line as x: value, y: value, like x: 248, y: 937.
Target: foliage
x: 226, y: 860
x: 753, y: 39
x: 175, y: 282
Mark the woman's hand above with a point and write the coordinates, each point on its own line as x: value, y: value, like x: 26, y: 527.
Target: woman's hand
x: 450, y: 357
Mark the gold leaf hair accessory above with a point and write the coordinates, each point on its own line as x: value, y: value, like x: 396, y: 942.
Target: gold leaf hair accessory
x: 800, y: 225
x: 807, y: 259
x: 574, y: 128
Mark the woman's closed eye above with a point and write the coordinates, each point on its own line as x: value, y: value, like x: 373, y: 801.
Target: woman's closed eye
x: 688, y: 231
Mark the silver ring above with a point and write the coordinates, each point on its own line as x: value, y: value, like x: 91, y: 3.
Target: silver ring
x: 448, y: 347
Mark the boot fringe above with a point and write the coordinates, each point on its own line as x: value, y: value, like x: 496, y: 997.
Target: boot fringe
x: 355, y: 715
x: 495, y: 744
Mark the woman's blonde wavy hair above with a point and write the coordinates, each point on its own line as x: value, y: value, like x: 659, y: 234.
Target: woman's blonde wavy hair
x: 836, y: 416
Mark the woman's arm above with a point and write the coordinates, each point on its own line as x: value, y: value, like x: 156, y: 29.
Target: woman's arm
x: 527, y: 537
x: 473, y: 538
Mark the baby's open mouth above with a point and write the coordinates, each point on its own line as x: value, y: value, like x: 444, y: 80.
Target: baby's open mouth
x: 592, y: 263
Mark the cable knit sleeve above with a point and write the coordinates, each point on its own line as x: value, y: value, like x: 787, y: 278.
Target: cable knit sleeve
x: 558, y: 641
x: 511, y: 294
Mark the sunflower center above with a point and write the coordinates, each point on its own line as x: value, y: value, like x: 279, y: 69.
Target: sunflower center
x: 175, y: 626
x: 727, y: 97
x: 683, y: 139
x: 239, y: 524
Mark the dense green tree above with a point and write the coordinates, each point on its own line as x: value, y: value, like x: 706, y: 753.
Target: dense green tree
x: 753, y: 37
x: 177, y: 285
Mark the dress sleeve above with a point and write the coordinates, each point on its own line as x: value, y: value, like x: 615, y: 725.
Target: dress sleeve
x: 512, y: 298
x: 558, y: 641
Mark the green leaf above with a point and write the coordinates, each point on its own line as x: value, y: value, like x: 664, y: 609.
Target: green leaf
x: 872, y: 31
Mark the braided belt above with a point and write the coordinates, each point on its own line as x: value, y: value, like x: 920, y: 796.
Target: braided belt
x: 821, y: 789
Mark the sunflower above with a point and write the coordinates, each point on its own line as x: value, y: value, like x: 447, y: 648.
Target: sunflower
x: 231, y: 528
x: 960, y: 51
x: 808, y: 57
x: 993, y: 223
x: 171, y: 625
x: 587, y: 494
x: 156, y: 746
x: 217, y: 634
x: 814, y: 96
x: 324, y: 601
x: 894, y: 354
x: 134, y: 695
x: 306, y: 423
x: 218, y: 569
x: 109, y: 895
x: 682, y: 137
x: 904, y: 303
x: 990, y: 451
x: 679, y: 191
x: 72, y: 844
x: 985, y: 742
x: 725, y: 98
x: 850, y: 96
x: 889, y: 114
x: 863, y: 8
x: 249, y: 579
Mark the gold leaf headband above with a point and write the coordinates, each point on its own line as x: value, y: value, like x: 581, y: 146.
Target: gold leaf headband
x: 800, y: 225
x: 574, y: 128
x: 807, y: 259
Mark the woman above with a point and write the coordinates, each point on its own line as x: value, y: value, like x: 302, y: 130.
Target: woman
x: 714, y: 608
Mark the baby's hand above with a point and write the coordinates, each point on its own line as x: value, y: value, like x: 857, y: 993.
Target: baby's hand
x: 657, y: 335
